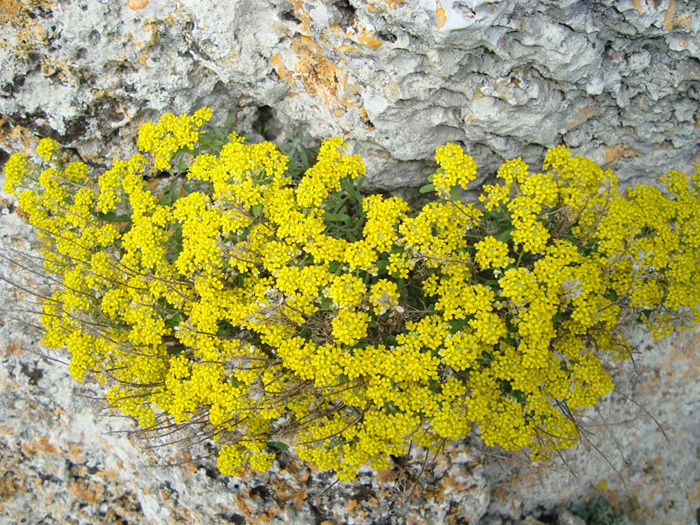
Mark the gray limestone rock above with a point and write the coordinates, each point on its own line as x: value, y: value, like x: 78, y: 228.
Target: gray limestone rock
x: 616, y: 81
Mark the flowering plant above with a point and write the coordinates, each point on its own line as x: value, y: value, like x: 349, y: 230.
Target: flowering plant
x: 280, y: 312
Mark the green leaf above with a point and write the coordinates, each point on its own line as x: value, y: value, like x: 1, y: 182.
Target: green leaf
x: 505, y: 236
x: 427, y: 188
x: 109, y: 216
x: 257, y: 210
x: 348, y: 185
x: 113, y: 217
x: 336, y: 217
x: 454, y: 193
x: 277, y: 444
x: 519, y: 396
x: 325, y: 304
x: 390, y: 409
x: 176, y: 349
x: 230, y: 118
x: 174, y: 320
x: 224, y: 329
x: 457, y: 325
x: 169, y: 195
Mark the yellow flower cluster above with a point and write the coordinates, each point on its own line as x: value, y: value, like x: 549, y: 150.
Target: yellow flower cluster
x: 262, y: 310
x: 171, y: 134
x: 492, y: 253
x: 16, y: 169
x: 456, y: 168
x: 45, y: 148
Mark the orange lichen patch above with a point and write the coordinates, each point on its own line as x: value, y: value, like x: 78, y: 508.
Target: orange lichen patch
x: 302, y: 15
x: 282, y: 71
x: 137, y: 4
x: 451, y: 484
x: 111, y: 474
x: 40, y: 444
x: 682, y: 361
x: 387, y: 476
x: 290, y: 495
x: 12, y: 348
x: 9, y: 487
x: 336, y: 31
x: 76, y: 453
x: 613, y: 154
x: 8, y: 9
x: 152, y: 25
x: 132, y: 39
x: 670, y: 16
x: 318, y: 74
x: 15, y: 11
x: 672, y: 20
x: 365, y: 119
x: 88, y: 491
x: 143, y: 58
x: 11, y: 139
x: 245, y: 503
x: 441, y: 18
x: 346, y: 48
x: 638, y: 6
x: 685, y: 22
x: 359, y: 515
x: 369, y: 39
x: 582, y: 115
x: 38, y: 31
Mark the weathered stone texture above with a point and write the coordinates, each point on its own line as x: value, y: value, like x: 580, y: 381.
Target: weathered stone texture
x: 65, y: 458
x: 616, y: 80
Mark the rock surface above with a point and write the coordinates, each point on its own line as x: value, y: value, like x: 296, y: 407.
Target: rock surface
x: 64, y: 457
x: 616, y: 80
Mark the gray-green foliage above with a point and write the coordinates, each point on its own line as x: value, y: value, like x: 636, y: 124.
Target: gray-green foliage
x: 597, y: 511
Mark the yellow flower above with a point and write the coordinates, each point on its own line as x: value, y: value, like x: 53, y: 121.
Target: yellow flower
x: 240, y: 306
x: 46, y: 148
x: 170, y: 134
x: 492, y: 253
x: 456, y: 169
x: 385, y: 296
x: 346, y: 290
x: 350, y: 326
x: 324, y: 177
x: 16, y: 168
